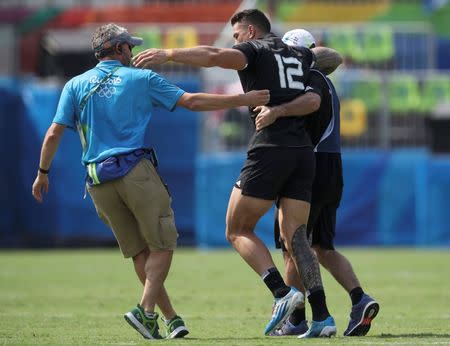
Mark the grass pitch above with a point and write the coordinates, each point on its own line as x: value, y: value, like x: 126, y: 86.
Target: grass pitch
x: 79, y: 297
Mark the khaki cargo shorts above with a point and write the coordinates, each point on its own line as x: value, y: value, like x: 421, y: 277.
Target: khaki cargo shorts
x: 137, y: 209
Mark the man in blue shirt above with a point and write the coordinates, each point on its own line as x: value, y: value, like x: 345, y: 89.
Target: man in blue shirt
x: 111, y: 106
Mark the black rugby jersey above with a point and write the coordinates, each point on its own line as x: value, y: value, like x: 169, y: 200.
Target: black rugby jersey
x: 323, y: 125
x: 273, y: 65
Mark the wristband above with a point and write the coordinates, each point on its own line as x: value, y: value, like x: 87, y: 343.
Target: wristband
x: 43, y: 171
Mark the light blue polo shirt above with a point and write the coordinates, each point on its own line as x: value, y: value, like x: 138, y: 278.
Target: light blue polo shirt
x: 116, y: 116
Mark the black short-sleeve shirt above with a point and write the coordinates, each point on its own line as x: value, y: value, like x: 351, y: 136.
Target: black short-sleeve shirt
x: 317, y: 122
x: 273, y: 65
x: 323, y: 125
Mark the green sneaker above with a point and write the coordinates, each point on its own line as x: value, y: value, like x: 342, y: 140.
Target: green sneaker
x: 175, y: 327
x: 147, y: 326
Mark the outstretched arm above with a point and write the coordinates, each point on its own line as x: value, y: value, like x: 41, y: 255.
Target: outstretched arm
x: 209, y: 102
x: 300, y: 106
x: 203, y: 56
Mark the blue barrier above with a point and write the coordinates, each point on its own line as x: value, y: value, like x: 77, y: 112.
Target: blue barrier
x: 405, y: 58
x: 390, y: 198
x: 175, y: 137
x: 11, y: 111
x: 216, y: 175
x: 435, y: 227
x: 443, y: 53
x: 65, y: 217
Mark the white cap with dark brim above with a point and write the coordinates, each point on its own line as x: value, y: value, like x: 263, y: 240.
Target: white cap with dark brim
x: 299, y: 38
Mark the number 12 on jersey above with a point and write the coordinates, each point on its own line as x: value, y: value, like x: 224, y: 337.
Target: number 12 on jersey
x: 288, y: 73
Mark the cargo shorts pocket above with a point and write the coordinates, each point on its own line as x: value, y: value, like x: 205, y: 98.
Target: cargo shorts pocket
x: 168, y: 231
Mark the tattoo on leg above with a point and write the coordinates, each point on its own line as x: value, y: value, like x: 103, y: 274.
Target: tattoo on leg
x: 307, y: 263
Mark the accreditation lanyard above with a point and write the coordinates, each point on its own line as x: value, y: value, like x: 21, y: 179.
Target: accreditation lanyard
x: 84, y: 102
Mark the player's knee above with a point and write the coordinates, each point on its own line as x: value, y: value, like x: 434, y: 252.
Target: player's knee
x: 232, y: 233
x: 230, y: 236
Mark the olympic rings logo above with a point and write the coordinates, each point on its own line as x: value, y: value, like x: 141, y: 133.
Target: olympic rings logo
x: 106, y: 91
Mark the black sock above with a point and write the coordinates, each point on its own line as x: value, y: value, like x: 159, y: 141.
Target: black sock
x: 273, y: 280
x: 356, y: 295
x: 318, y: 304
x: 297, y: 316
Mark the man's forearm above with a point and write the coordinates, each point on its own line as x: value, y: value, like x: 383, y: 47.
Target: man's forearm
x: 48, y: 151
x: 209, y: 102
x: 49, y: 147
x: 300, y: 106
x: 196, y: 56
x: 207, y: 56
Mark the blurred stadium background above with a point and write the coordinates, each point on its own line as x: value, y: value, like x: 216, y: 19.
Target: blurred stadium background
x: 395, y: 95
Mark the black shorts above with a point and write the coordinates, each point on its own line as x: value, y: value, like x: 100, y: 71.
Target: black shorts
x: 326, y: 196
x: 274, y: 172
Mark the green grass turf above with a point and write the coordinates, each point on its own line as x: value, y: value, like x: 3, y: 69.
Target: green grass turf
x: 78, y: 297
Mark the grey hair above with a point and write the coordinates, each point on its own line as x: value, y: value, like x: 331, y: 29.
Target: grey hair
x: 104, y: 34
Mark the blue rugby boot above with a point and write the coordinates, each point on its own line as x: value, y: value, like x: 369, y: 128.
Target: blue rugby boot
x: 282, y: 309
x: 361, y: 316
x: 325, y: 328
x: 287, y: 328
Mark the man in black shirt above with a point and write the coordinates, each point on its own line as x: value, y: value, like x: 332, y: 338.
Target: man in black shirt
x: 324, y: 129
x: 280, y: 159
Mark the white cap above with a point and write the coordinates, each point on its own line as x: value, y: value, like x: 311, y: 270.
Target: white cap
x: 299, y: 38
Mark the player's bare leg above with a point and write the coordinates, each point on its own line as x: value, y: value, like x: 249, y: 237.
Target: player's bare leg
x: 339, y: 267
x: 337, y: 264
x: 291, y: 276
x: 364, y: 307
x: 163, y: 300
x: 293, y: 218
x: 242, y: 215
